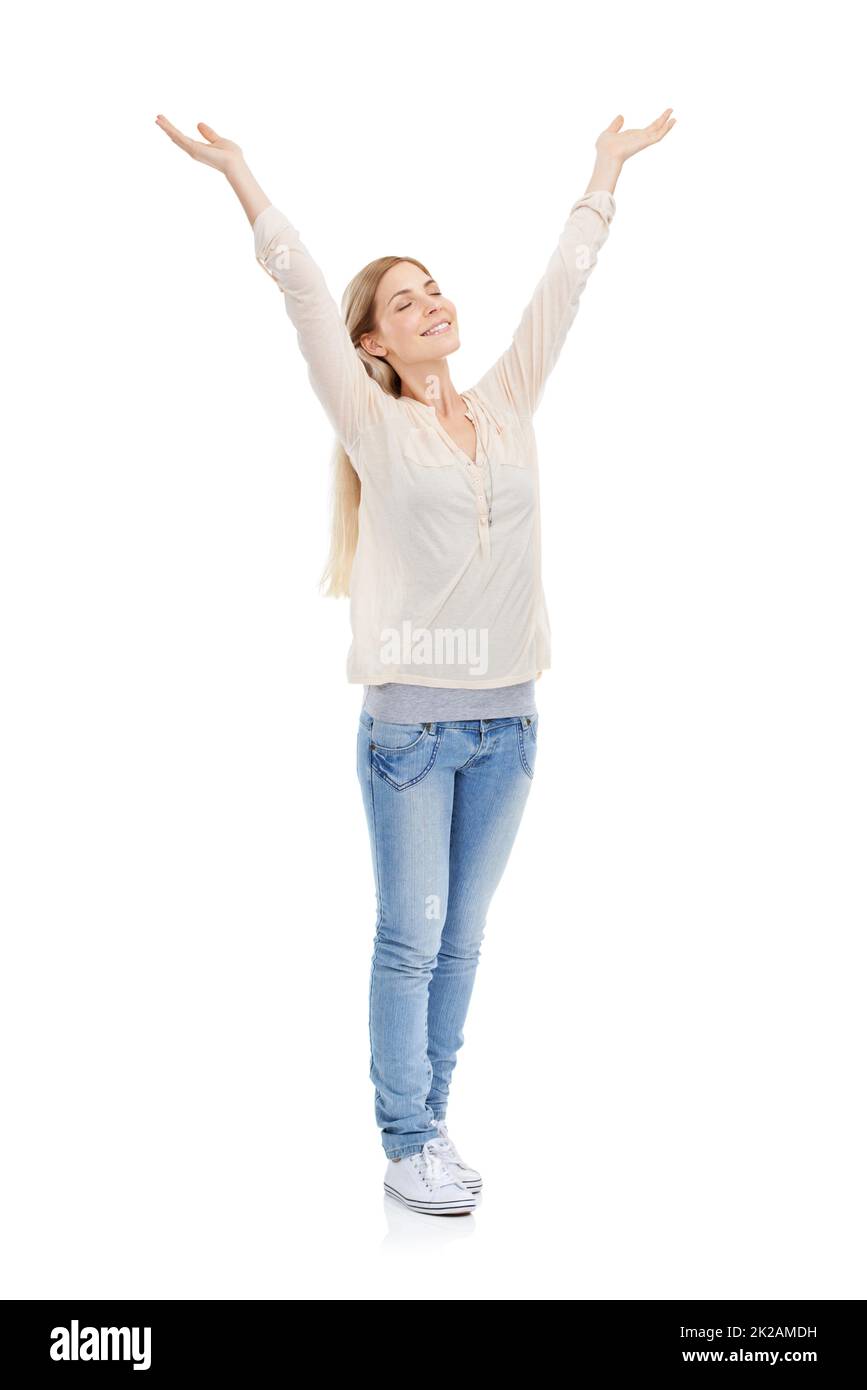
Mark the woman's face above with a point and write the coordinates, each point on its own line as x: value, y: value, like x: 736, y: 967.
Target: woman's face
x: 408, y: 307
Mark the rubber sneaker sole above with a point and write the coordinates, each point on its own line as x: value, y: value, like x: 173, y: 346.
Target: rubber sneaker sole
x: 448, y: 1206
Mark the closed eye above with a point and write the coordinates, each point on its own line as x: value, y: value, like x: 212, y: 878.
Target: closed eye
x: 436, y: 294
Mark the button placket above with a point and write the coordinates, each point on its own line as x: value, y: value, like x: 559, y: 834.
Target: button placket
x: 483, y: 509
x: 475, y: 475
x: 476, y: 479
x: 485, y: 537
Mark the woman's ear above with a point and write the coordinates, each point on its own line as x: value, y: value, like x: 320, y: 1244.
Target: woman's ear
x: 369, y: 343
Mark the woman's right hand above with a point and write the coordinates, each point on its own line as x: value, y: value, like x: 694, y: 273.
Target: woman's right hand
x: 219, y: 153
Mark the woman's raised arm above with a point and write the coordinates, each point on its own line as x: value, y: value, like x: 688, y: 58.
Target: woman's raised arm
x: 350, y: 397
x: 517, y: 379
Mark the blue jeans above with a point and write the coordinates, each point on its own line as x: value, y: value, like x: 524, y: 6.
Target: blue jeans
x: 443, y: 802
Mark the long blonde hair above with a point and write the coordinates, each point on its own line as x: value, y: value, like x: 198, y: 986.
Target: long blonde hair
x: 358, y: 309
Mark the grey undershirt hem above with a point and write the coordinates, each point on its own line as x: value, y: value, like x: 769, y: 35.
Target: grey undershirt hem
x: 411, y: 704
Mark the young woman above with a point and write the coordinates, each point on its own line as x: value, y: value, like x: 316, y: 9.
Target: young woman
x: 436, y: 540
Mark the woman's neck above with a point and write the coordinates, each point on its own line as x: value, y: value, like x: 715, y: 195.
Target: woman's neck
x: 438, y: 393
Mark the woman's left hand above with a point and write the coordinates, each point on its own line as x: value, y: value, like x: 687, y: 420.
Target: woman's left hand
x: 616, y: 145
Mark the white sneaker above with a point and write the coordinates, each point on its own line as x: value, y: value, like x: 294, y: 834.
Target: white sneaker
x: 444, y: 1146
x: 423, y: 1182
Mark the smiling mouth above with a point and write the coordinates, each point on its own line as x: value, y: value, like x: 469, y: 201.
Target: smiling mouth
x: 437, y: 330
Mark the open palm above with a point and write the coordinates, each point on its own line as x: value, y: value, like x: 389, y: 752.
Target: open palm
x: 618, y: 145
x: 219, y: 153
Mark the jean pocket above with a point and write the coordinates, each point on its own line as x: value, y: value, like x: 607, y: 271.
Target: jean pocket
x: 396, y: 738
x: 527, y: 744
x: 402, y: 754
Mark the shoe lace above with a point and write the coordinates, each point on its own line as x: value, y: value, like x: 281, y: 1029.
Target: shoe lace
x: 431, y: 1166
x: 445, y: 1147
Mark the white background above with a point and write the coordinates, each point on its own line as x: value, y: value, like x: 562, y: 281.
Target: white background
x: 663, y: 1075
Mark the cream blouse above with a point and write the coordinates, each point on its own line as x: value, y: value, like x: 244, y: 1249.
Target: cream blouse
x: 446, y: 586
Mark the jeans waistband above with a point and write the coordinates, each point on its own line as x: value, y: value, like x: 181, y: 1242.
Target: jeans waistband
x: 433, y: 724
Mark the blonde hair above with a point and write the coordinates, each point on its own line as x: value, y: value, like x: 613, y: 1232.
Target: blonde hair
x: 358, y: 309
